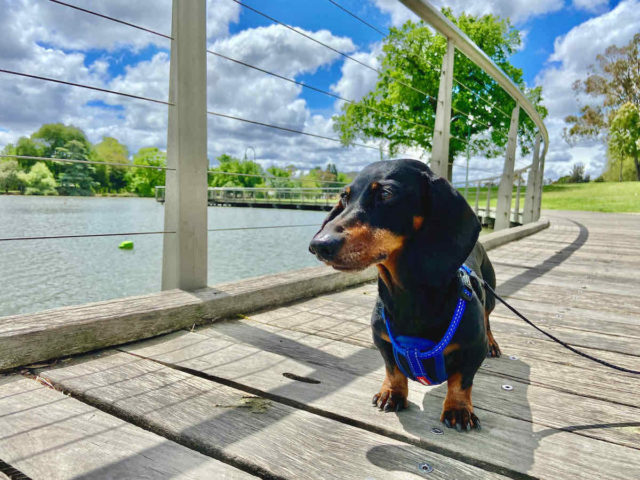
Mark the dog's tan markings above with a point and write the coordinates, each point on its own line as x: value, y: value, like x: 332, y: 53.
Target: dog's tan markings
x: 375, y: 186
x: 388, y: 270
x: 393, y: 393
x: 417, y: 222
x: 457, y: 409
x: 365, y: 245
x: 452, y: 347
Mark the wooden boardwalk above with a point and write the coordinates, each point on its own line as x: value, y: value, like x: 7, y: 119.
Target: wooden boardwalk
x: 286, y: 393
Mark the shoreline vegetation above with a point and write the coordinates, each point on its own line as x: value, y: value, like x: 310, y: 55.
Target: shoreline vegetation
x: 20, y: 176
x: 58, y: 142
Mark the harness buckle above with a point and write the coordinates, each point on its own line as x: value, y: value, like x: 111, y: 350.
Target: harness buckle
x: 465, y: 287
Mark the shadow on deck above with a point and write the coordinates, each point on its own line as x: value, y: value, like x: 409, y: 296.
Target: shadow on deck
x: 286, y: 393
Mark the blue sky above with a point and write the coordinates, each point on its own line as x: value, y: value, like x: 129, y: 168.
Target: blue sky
x: 561, y: 38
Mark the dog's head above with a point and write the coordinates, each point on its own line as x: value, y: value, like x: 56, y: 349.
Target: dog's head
x: 399, y: 208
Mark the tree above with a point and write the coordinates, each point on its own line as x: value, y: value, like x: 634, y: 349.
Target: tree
x: 624, y: 135
x: 405, y: 117
x: 52, y: 136
x: 75, y: 178
x: 40, y: 181
x: 10, y: 176
x: 613, y: 82
x: 143, y: 181
x: 110, y: 150
x: 231, y: 164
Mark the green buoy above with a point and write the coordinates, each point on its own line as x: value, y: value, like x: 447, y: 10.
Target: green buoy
x: 126, y: 245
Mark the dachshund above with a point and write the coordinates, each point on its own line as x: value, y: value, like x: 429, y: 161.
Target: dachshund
x: 419, y: 232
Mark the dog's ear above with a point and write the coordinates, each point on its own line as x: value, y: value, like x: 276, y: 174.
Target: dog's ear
x: 449, y: 232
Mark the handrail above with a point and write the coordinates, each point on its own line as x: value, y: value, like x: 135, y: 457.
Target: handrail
x: 464, y: 44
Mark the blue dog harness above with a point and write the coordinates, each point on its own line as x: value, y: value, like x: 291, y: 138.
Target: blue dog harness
x: 423, y: 360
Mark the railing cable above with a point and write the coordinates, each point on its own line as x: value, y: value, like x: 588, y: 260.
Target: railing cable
x: 233, y: 229
x: 104, y: 90
x: 91, y: 162
x: 290, y: 130
x: 345, y: 55
x: 372, y: 27
x: 90, y: 12
x: 316, y: 89
x: 271, y: 177
x: 89, y: 235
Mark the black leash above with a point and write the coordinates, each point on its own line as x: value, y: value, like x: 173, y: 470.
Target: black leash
x: 557, y: 340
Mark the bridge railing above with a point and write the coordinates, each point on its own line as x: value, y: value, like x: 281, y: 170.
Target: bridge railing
x: 458, y: 40
x: 185, y: 231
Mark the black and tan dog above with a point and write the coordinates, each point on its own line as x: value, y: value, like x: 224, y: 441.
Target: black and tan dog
x: 418, y: 230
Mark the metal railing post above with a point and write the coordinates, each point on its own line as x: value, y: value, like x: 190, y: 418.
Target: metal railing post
x: 442, y: 126
x: 532, y: 180
x: 505, y: 191
x: 477, y: 209
x: 487, y: 212
x: 516, y: 217
x: 539, y: 185
x: 184, y: 254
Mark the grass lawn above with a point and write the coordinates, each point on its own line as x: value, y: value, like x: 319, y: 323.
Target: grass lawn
x: 597, y: 197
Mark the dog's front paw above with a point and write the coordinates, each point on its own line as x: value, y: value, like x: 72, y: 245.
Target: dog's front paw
x: 390, y: 401
x: 461, y: 418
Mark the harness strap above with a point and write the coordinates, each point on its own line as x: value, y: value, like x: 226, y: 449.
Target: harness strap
x: 414, y: 356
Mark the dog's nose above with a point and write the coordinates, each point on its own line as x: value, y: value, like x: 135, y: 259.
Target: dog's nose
x: 325, y: 246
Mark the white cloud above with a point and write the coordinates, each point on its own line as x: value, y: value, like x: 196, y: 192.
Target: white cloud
x: 519, y: 11
x: 356, y: 81
x: 590, y: 5
x: 573, y: 54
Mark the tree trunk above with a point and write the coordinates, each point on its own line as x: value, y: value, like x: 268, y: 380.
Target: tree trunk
x: 450, y: 167
x: 635, y: 161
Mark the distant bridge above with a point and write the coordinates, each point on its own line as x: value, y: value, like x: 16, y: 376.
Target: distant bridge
x: 268, y: 197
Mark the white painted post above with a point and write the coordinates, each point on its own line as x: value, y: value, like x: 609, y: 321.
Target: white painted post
x: 442, y: 126
x: 532, y: 181
x: 487, y: 212
x: 505, y: 191
x: 516, y: 216
x: 184, y: 255
x: 477, y: 198
x: 539, y: 185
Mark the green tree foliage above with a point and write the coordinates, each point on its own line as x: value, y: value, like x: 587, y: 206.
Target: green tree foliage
x: 110, y: 150
x: 75, y: 178
x: 143, y: 181
x: 613, y: 82
x: 280, y: 178
x: 235, y: 165
x: 40, y: 181
x: 405, y: 117
x: 11, y: 177
x: 52, y: 136
x: 624, y: 135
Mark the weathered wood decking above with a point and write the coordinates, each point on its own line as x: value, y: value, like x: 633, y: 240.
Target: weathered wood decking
x: 286, y: 393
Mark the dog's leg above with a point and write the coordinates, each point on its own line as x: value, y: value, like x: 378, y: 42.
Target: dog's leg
x: 457, y: 410
x: 494, y: 349
x: 393, y: 393
x: 395, y: 387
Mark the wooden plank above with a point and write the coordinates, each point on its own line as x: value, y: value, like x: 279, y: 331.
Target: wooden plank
x: 347, y: 377
x: 577, y: 338
x: 50, y: 334
x: 274, y: 438
x: 555, y: 408
x: 47, y: 435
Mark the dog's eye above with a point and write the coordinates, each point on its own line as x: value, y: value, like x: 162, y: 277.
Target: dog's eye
x: 344, y: 198
x: 386, y: 194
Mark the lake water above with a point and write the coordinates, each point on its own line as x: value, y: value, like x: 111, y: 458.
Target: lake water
x: 40, y: 274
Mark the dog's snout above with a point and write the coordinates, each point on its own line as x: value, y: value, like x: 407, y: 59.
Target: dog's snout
x: 326, y: 246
